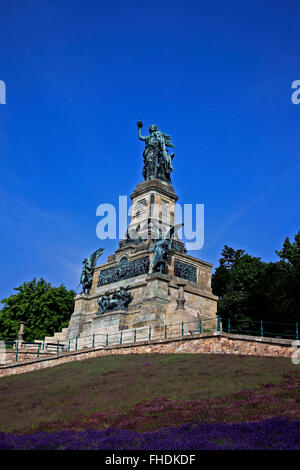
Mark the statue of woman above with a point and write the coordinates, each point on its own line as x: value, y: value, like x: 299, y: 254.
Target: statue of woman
x: 157, y: 160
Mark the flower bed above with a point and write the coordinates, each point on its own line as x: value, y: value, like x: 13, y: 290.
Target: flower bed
x: 277, y: 433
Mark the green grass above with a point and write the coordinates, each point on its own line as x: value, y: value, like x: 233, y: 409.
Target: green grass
x: 114, y: 386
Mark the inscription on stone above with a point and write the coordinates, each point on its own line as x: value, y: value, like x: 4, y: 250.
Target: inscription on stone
x: 151, y: 204
x: 140, y: 207
x: 185, y: 271
x: 124, y: 270
x: 165, y: 211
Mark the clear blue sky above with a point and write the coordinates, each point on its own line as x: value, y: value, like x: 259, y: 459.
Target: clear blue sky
x: 216, y: 76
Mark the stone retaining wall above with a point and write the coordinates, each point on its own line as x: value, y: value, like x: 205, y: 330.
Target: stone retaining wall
x: 207, y: 343
x: 23, y: 355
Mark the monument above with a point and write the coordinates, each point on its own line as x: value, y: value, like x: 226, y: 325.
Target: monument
x: 150, y: 280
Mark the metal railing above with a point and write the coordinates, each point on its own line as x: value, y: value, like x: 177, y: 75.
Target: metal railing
x: 263, y: 328
x: 154, y: 332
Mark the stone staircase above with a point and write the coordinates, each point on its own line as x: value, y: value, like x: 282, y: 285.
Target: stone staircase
x: 60, y: 336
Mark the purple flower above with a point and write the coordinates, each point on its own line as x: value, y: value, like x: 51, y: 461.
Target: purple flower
x: 276, y: 433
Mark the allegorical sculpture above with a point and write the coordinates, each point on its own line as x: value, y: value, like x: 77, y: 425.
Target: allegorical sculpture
x: 125, y: 269
x: 161, y: 248
x: 157, y: 160
x: 118, y: 300
x: 89, y: 264
x: 132, y: 235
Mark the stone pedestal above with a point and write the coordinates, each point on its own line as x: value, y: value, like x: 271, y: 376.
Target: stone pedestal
x: 81, y: 309
x: 109, y: 322
x: 182, y: 294
x: 21, y: 333
x: 153, y: 311
x: 153, y: 206
x: 180, y: 299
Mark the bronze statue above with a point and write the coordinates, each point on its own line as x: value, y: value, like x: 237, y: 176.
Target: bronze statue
x: 103, y: 303
x: 132, y: 235
x: 161, y: 248
x: 117, y: 300
x: 157, y: 160
x: 89, y: 264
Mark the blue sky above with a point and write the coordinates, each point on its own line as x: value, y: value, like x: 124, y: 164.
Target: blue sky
x: 216, y: 76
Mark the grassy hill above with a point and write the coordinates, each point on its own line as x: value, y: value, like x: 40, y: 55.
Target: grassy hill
x: 147, y: 392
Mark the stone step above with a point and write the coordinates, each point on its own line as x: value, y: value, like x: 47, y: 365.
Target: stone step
x: 49, y: 339
x: 59, y: 336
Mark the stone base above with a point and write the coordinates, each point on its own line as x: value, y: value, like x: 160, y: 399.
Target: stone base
x: 181, y: 294
x: 154, y: 304
x: 109, y: 322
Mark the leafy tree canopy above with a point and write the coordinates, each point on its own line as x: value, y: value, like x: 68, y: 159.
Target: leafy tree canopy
x: 291, y: 251
x: 44, y: 309
x: 250, y: 289
x: 230, y: 256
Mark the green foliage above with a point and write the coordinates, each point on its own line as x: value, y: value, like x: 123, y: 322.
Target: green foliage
x: 291, y: 251
x: 230, y: 256
x: 250, y: 289
x: 44, y: 309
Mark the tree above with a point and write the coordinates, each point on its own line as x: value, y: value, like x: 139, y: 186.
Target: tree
x: 291, y: 251
x: 44, y: 309
x: 290, y: 256
x: 234, y: 282
x: 250, y: 290
x: 230, y: 256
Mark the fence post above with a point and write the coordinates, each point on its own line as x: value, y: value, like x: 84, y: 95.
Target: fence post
x: 219, y: 324
x: 76, y: 343
x: 134, y: 338
x: 93, y: 340
x: 297, y: 335
x: 106, y: 339
x: 69, y: 346
x: 165, y: 331
x: 38, y: 351
x: 182, y: 329
x: 200, y: 325
x: 17, y: 351
x: 228, y: 329
x: 43, y: 344
x: 261, y: 328
x: 57, y: 349
x: 121, y: 337
x: 149, y: 333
